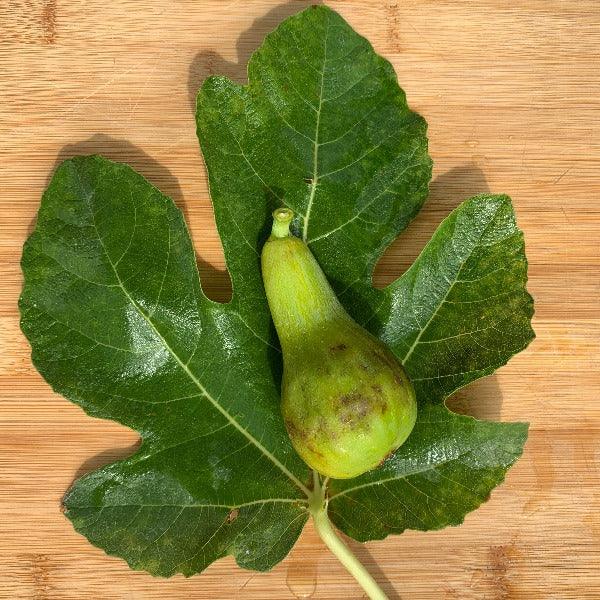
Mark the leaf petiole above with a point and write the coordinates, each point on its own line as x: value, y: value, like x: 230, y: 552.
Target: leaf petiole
x: 318, y: 510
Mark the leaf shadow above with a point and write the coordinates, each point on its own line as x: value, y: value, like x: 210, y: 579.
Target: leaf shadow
x: 209, y: 62
x: 215, y: 282
x: 366, y: 558
x: 104, y: 458
x: 446, y: 192
x: 481, y: 399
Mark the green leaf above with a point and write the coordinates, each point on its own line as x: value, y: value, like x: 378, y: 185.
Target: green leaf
x: 446, y: 468
x: 118, y: 323
x: 462, y: 309
x: 324, y: 128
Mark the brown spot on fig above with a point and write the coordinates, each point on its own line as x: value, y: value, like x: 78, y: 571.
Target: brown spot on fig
x: 362, y: 408
x: 312, y: 449
x: 323, y: 430
x: 353, y: 408
x: 379, y: 400
x: 346, y: 399
x: 388, y: 455
x: 357, y: 402
x: 338, y: 348
x: 294, y: 432
x: 385, y: 358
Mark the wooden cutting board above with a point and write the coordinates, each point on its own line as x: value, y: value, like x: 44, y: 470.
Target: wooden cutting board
x: 511, y: 91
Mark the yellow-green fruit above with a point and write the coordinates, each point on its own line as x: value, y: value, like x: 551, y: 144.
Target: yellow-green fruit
x: 346, y: 401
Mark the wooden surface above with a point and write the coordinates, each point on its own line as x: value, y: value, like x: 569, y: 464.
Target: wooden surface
x: 511, y: 91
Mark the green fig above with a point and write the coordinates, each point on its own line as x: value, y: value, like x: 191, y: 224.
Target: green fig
x: 346, y: 401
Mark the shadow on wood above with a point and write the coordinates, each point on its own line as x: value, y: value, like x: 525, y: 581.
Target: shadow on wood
x: 215, y: 282
x: 105, y: 458
x: 446, y: 192
x: 209, y: 62
x: 365, y: 557
x: 481, y: 399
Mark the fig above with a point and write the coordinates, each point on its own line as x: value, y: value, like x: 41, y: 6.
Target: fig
x: 346, y: 401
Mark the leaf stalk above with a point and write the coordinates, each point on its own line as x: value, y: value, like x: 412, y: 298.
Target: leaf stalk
x: 318, y: 510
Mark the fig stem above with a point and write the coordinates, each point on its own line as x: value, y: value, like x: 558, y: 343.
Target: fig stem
x: 282, y: 217
x: 318, y: 510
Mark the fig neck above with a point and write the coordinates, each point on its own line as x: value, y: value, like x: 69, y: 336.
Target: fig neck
x: 303, y: 305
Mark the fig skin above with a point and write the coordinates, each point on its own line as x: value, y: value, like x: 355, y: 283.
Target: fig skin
x: 346, y: 401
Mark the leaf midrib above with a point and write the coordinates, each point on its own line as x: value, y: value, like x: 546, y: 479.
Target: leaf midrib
x: 315, y: 174
x: 199, y: 504
x: 368, y: 205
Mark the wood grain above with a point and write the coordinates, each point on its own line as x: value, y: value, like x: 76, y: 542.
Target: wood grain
x: 511, y: 91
